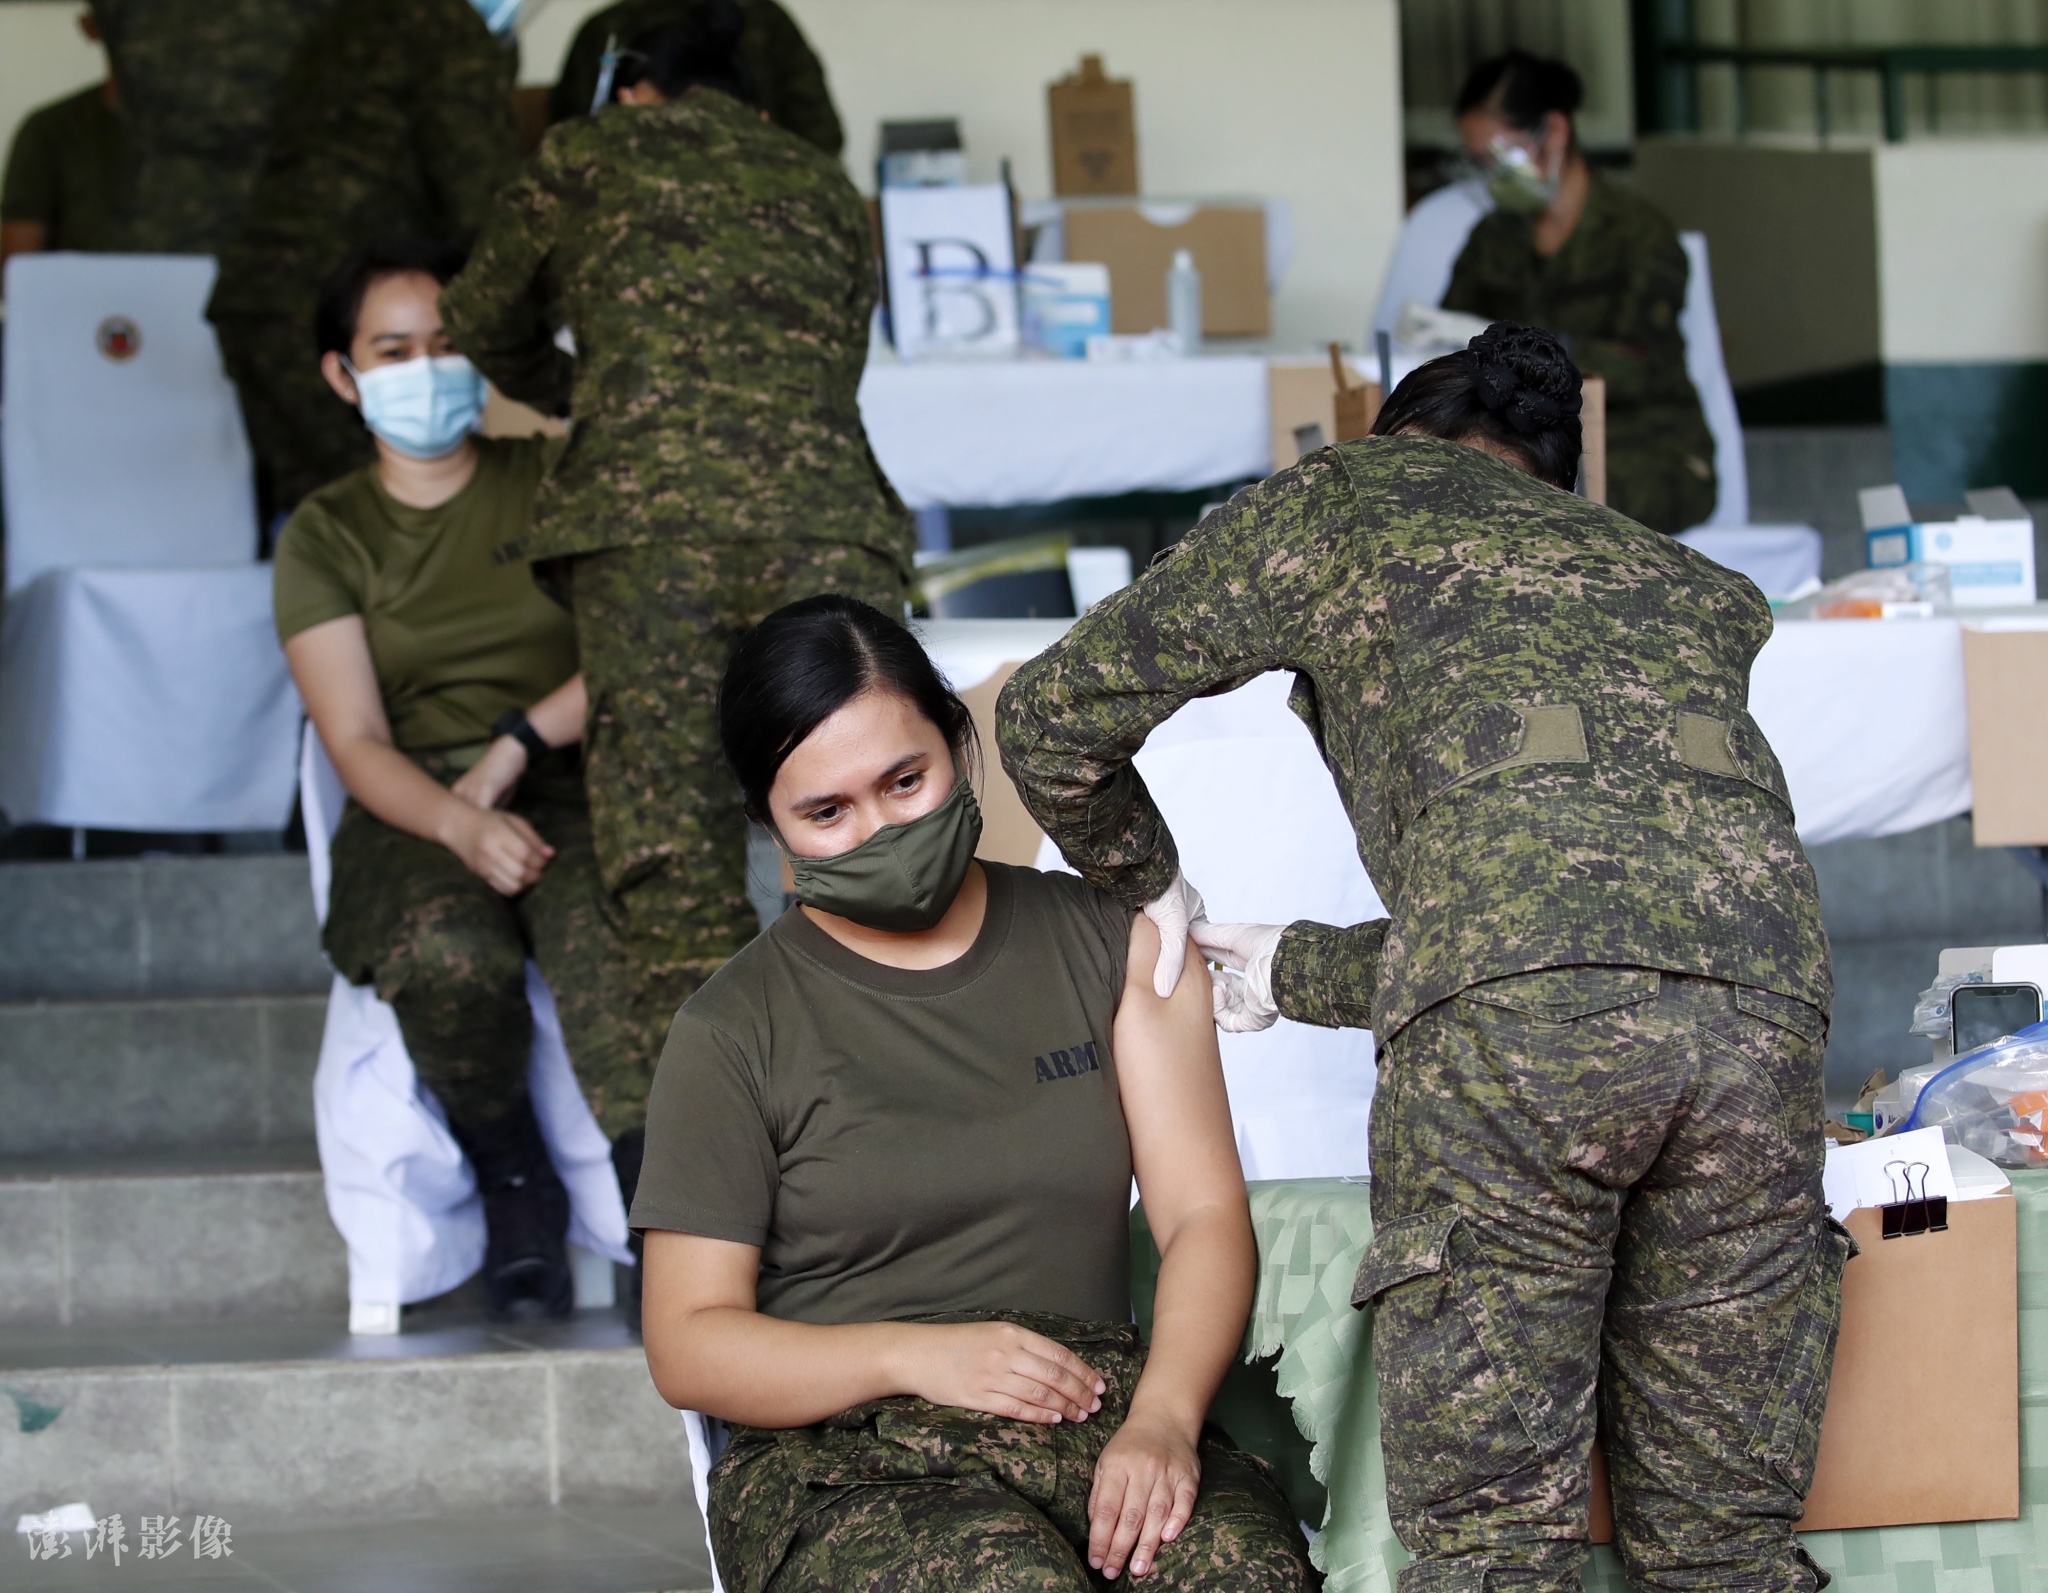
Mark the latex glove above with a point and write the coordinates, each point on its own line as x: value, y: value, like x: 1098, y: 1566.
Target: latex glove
x: 1242, y: 989
x: 1178, y: 906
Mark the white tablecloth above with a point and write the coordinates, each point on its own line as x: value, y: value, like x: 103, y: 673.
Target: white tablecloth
x: 974, y: 434
x: 146, y: 700
x: 1866, y: 716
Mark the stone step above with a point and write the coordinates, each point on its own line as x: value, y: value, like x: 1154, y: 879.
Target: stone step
x: 175, y: 1237
x: 296, y: 1422
x: 1932, y: 883
x: 81, y: 1077
x: 173, y: 926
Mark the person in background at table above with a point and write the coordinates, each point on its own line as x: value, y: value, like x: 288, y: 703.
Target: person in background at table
x: 444, y: 685
x: 1568, y: 250
x: 717, y: 275
x: 1602, y: 993
x: 394, y: 119
x: 887, y: 1187
x: 65, y: 169
x: 783, y: 76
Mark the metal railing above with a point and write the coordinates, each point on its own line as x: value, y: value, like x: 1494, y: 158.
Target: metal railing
x: 1893, y: 65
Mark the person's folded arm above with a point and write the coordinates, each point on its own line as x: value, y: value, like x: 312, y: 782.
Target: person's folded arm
x: 1325, y: 974
x: 1170, y: 1081
x: 710, y: 1350
x: 557, y: 719
x: 337, y: 680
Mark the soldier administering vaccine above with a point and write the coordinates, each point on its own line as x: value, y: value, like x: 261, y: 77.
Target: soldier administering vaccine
x: 716, y: 275
x: 1601, y: 994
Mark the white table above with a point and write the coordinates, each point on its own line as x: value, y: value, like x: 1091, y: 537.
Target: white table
x: 979, y: 434
x: 1866, y: 716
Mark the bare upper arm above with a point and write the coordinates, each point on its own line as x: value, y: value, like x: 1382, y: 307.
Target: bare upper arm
x: 682, y: 1274
x: 337, y: 680
x: 1170, y: 1079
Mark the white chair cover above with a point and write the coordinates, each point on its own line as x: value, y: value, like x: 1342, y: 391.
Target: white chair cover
x: 706, y: 1439
x: 1781, y: 559
x: 1709, y: 372
x: 122, y: 443
x: 1431, y: 240
x: 398, y: 1187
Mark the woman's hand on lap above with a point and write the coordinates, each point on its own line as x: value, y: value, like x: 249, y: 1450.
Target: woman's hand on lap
x: 501, y: 849
x: 1002, y: 1370
x: 1145, y: 1485
x: 488, y: 782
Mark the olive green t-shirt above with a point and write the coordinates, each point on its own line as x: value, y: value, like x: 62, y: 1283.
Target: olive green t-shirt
x: 902, y: 1143
x: 458, y: 631
x: 65, y: 168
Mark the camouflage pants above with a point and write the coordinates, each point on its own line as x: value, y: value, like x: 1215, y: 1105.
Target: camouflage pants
x: 302, y: 433
x: 449, y: 953
x: 1602, y: 1178
x: 900, y: 1496
x: 656, y: 626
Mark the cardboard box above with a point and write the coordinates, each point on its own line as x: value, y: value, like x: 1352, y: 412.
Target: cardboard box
x: 1094, y: 132
x: 1300, y: 394
x: 1989, y: 552
x: 1923, y: 1417
x: 1009, y: 834
x: 2005, y: 675
x: 1137, y: 243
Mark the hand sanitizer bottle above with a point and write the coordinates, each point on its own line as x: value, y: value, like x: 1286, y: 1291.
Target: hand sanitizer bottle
x: 1184, y: 302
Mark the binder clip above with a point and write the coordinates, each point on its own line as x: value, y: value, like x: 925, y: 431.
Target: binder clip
x: 1911, y: 1214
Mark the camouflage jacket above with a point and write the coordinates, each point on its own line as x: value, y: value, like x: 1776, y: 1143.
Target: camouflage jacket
x: 1534, y: 711
x: 717, y: 275
x: 197, y: 79
x: 787, y: 81
x: 1615, y: 290
x: 396, y: 117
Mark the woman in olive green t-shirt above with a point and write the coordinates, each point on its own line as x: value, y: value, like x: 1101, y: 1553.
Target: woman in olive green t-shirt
x: 444, y: 685
x: 886, y: 1190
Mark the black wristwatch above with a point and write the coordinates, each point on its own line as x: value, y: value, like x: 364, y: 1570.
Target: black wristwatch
x: 513, y: 722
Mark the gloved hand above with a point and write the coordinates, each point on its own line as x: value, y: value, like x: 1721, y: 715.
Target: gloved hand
x: 1179, y: 905
x: 1242, y: 989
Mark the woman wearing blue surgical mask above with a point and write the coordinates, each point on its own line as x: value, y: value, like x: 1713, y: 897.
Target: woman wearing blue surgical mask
x: 887, y: 1182
x: 1569, y: 251
x: 445, y: 687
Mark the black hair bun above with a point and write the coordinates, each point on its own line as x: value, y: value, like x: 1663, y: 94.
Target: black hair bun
x: 1525, y: 376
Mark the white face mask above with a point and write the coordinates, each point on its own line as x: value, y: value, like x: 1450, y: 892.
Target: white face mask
x: 423, y: 407
x: 498, y: 15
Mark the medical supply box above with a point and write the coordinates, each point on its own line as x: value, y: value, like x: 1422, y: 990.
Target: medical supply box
x: 1989, y: 552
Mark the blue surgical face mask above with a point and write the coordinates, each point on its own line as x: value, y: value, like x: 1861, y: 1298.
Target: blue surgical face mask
x: 498, y: 15
x: 423, y: 407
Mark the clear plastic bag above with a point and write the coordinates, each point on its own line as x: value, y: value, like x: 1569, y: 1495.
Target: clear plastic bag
x: 1897, y: 591
x: 1993, y: 1101
x: 1931, y: 1011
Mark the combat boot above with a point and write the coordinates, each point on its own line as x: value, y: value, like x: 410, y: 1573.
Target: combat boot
x: 526, y: 1217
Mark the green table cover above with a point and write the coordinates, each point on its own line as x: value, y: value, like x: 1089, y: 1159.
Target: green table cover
x: 1311, y: 1234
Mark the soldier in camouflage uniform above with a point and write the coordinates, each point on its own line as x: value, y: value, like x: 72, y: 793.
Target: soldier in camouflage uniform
x: 783, y: 75
x: 395, y: 120
x: 197, y: 81
x: 717, y: 275
x: 1600, y: 997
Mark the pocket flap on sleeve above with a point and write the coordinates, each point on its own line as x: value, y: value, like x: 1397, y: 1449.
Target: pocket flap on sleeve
x: 1409, y: 1247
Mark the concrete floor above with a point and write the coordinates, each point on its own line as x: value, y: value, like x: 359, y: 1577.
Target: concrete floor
x: 580, y: 1549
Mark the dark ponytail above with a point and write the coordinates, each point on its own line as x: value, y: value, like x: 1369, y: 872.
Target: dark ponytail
x: 805, y: 662
x: 1513, y: 387
x: 700, y: 51
x: 1522, y: 89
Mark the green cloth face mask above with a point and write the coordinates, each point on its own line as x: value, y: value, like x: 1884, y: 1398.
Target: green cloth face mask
x: 902, y: 878
x: 1516, y: 182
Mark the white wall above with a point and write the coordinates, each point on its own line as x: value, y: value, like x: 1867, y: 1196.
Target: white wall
x: 1963, y: 249
x: 43, y: 57
x: 1295, y: 99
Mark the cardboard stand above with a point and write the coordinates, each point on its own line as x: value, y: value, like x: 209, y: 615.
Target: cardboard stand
x: 1137, y: 243
x: 1923, y: 1414
x: 1094, y: 134
x: 1593, y: 435
x: 1356, y: 404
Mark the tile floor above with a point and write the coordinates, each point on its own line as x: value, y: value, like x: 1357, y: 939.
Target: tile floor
x: 566, y: 1549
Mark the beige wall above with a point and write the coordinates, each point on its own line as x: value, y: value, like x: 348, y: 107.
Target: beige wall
x: 43, y: 57
x: 1792, y: 235
x: 1963, y: 246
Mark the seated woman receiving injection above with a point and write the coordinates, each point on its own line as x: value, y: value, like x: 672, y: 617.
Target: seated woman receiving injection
x: 887, y: 1179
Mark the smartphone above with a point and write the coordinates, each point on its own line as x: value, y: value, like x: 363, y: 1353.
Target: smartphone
x: 1980, y: 1014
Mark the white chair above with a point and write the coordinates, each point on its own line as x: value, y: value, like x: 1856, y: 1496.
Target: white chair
x: 707, y: 1439
x: 1783, y: 560
x: 1704, y: 363
x: 398, y: 1187
x: 141, y: 684
x: 1431, y: 240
